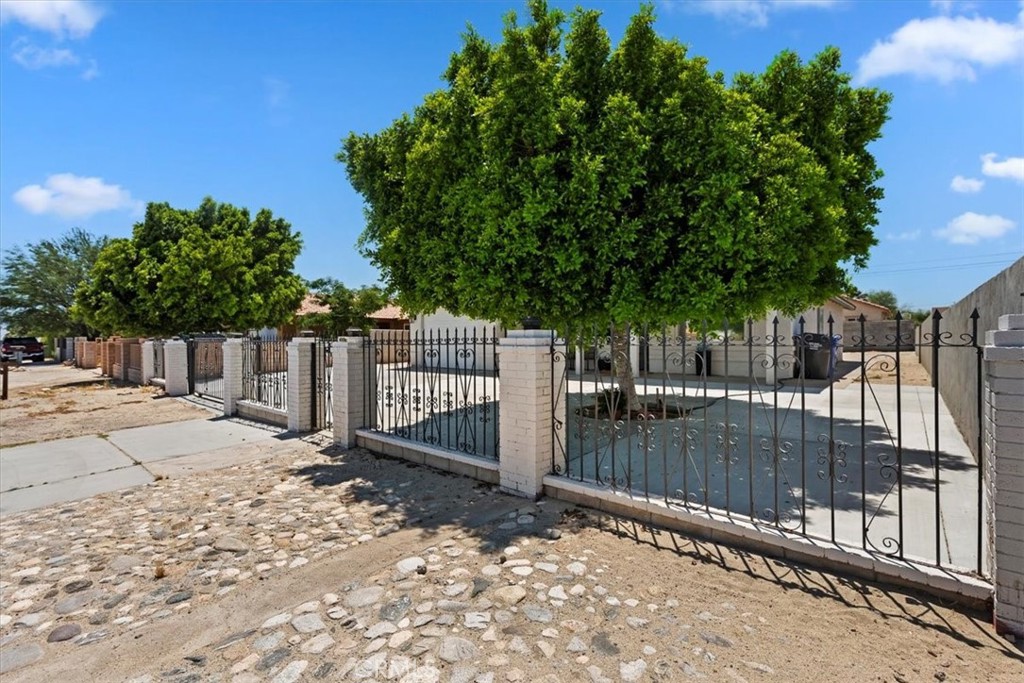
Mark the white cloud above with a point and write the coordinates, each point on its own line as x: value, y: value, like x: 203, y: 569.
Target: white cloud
x: 91, y: 71
x: 947, y: 6
x: 971, y: 228
x: 76, y: 18
x: 966, y: 185
x: 70, y: 196
x: 753, y: 12
x: 1010, y: 167
x: 276, y: 91
x: 31, y: 56
x: 906, y: 236
x: 944, y: 48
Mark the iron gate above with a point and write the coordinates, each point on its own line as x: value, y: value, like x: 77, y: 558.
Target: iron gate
x: 265, y: 373
x: 846, y: 441
x: 322, y: 385
x: 206, y: 367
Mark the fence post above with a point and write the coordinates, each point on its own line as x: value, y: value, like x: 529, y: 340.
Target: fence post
x: 234, y: 349
x: 349, y: 387
x: 148, y: 371
x: 176, y: 367
x: 124, y: 357
x: 1003, y: 469
x: 300, y: 384
x: 526, y: 434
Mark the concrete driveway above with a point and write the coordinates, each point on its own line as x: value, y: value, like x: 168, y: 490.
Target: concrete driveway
x: 51, y: 472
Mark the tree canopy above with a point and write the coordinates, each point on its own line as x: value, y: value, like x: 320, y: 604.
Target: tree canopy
x: 882, y: 297
x: 37, y: 290
x: 209, y: 269
x: 559, y: 177
x: 349, y: 306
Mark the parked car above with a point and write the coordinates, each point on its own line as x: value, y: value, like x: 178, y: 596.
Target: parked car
x: 30, y: 348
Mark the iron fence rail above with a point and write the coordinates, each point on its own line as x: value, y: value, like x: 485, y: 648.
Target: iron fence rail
x: 733, y: 422
x: 158, y: 358
x: 265, y: 373
x: 323, y: 385
x: 438, y: 387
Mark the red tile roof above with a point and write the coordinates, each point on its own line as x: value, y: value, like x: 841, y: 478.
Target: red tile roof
x: 310, y: 304
x: 389, y: 312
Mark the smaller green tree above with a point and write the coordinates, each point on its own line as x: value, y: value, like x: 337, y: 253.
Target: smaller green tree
x: 882, y: 297
x: 349, y: 307
x: 37, y: 289
x: 211, y: 269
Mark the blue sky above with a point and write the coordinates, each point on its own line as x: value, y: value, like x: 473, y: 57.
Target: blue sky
x: 105, y: 106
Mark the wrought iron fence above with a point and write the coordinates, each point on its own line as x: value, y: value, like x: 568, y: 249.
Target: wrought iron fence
x: 158, y: 358
x: 323, y: 385
x: 811, y: 434
x: 265, y: 373
x: 206, y: 367
x: 438, y: 387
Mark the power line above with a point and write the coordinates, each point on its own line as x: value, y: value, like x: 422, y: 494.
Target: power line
x: 962, y: 266
x: 1002, y: 254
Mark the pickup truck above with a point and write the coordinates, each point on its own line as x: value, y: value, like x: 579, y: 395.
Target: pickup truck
x: 30, y: 349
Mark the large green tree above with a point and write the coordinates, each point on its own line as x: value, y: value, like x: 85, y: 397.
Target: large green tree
x: 555, y: 176
x: 209, y: 269
x: 349, y: 306
x: 37, y: 289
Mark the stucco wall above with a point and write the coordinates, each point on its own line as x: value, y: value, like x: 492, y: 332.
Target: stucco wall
x: 442, y: 325
x: 958, y: 367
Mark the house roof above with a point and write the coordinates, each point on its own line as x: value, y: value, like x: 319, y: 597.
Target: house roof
x: 310, y: 305
x: 871, y: 304
x: 845, y: 302
x: 389, y: 312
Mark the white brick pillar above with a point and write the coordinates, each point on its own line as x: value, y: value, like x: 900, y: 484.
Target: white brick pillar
x: 176, y: 367
x: 148, y: 369
x: 233, y: 350
x: 1004, y: 469
x: 300, y: 384
x: 353, y: 387
x: 526, y: 423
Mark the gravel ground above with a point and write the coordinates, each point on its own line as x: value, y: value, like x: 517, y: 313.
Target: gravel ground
x: 319, y: 565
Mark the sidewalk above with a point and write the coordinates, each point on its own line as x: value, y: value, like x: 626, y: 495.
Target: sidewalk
x: 52, y: 472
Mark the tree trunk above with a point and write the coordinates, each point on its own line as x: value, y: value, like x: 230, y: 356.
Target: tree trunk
x: 623, y: 368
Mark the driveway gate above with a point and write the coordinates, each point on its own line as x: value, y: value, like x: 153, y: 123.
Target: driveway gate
x: 322, y: 385
x: 206, y: 367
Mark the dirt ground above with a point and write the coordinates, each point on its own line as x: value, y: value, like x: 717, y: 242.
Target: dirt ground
x: 881, y: 368
x: 51, y: 401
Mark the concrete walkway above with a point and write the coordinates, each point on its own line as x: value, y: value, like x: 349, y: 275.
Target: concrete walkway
x: 51, y: 472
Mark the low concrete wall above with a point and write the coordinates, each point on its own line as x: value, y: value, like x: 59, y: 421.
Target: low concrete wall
x: 958, y: 368
x: 422, y: 454
x: 718, y: 527
x: 880, y: 335
x: 254, y: 411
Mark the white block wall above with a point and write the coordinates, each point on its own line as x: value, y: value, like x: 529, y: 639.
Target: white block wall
x: 175, y: 368
x: 350, y: 389
x: 233, y: 351
x: 300, y: 384
x: 148, y: 369
x: 1004, y: 469
x: 526, y: 412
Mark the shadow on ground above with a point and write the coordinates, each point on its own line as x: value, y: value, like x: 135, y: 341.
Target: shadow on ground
x: 881, y: 600
x: 431, y: 500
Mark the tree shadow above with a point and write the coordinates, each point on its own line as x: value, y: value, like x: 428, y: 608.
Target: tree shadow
x: 431, y: 500
x: 914, y: 607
